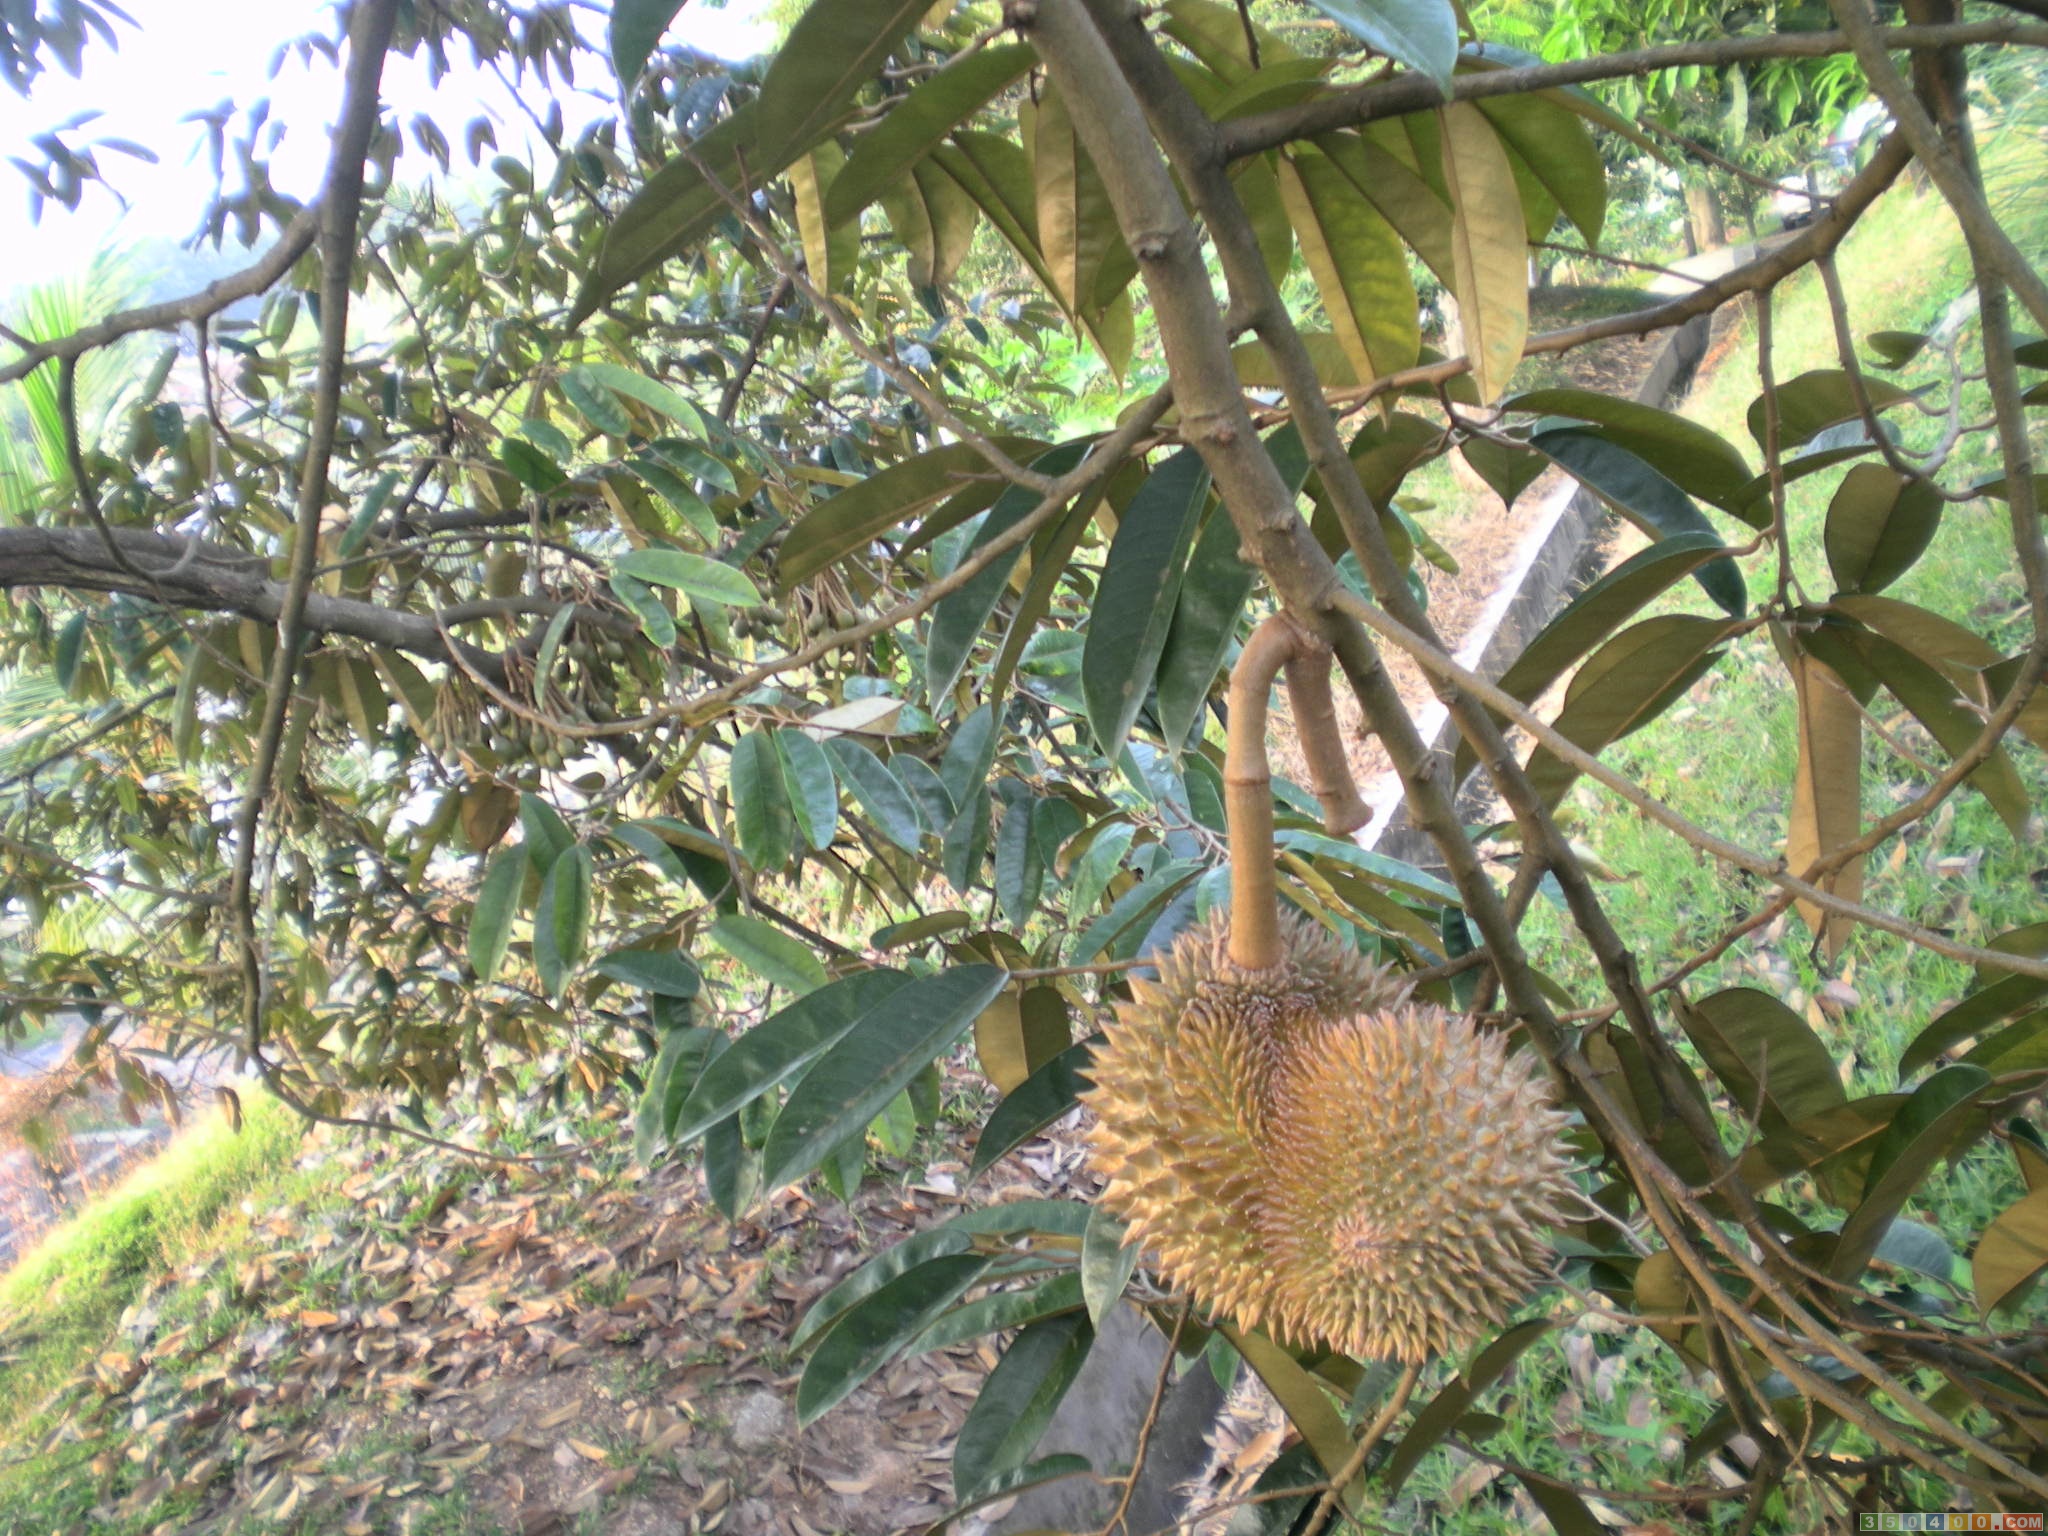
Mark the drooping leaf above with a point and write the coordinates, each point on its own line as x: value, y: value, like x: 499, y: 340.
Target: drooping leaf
x: 1077, y: 228
x: 497, y: 901
x: 877, y: 792
x: 1489, y: 250
x: 2011, y: 1253
x: 848, y: 1086
x: 1940, y: 1118
x: 1646, y: 498
x: 561, y: 918
x: 1695, y: 458
x: 1409, y: 202
x: 1827, y: 791
x: 1205, y: 616
x: 762, y: 816
x: 1047, y: 1094
x: 813, y: 789
x: 1135, y: 598
x: 1937, y: 704
x: 1771, y: 1062
x: 1441, y: 1413
x: 1553, y: 142
x: 830, y: 250
x: 547, y: 836
x: 1359, y: 268
x: 935, y: 221
x: 1107, y: 1264
x: 1878, y: 524
x: 1017, y: 1401
x: 1304, y: 1398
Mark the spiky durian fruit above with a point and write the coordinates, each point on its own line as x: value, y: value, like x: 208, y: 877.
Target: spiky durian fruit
x: 1305, y: 1150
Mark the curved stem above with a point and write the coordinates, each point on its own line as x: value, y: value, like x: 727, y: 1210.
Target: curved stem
x: 1248, y: 795
x: 1322, y: 740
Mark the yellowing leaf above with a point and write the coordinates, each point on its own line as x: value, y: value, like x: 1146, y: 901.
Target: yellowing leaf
x: 1359, y: 266
x: 1488, y: 248
x: 1827, y: 791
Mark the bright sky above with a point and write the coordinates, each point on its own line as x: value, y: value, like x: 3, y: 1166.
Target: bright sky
x: 173, y: 63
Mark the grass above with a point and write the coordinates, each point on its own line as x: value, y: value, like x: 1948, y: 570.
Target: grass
x: 62, y: 1303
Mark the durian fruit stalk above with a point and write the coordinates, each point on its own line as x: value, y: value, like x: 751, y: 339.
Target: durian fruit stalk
x: 1297, y: 1144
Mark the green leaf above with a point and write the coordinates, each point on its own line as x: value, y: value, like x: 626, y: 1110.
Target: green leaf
x: 677, y: 1066
x: 561, y: 919
x: 1938, y: 1121
x: 1107, y: 1264
x: 1441, y: 1414
x: 762, y: 816
x: 547, y: 836
x: 1359, y: 267
x: 885, y: 153
x: 1134, y: 601
x: 2011, y: 1253
x: 780, y: 1046
x: 1043, y: 1097
x: 970, y: 755
x: 1936, y: 703
x: 768, y: 952
x: 1489, y: 249
x: 959, y: 617
x: 835, y: 48
x: 851, y: 519
x: 1077, y: 228
x: 958, y: 1234
x: 636, y: 27
x: 1000, y: 1311
x: 871, y: 1332
x: 1915, y: 1246
x: 656, y: 396
x: 530, y: 467
x: 870, y: 1065
x: 926, y: 789
x: 1771, y: 1062
x: 1879, y: 523
x: 660, y: 971
x: 1509, y: 471
x: 1625, y: 685
x: 1553, y: 142
x: 1815, y: 401
x: 1017, y: 1401
x: 698, y: 578
x: 813, y: 789
x: 1304, y: 1398
x: 595, y: 404
x: 831, y: 251
x: 497, y: 901
x: 1205, y: 617
x: 1645, y: 497
x: 876, y: 791
x: 935, y: 220
x: 1417, y: 209
x: 1019, y: 875
x: 1695, y: 458
x: 656, y: 622
x: 1423, y: 34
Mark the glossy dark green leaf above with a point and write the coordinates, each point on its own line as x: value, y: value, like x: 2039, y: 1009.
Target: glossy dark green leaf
x: 1041, y: 1473
x: 812, y: 788
x: 876, y: 791
x: 927, y: 791
x: 1698, y: 460
x: 1047, y: 1094
x: 970, y: 756
x: 530, y: 467
x: 1134, y: 600
x: 886, y: 152
x: 781, y: 1045
x: 768, y: 952
x: 959, y: 617
x: 763, y: 818
x: 497, y: 902
x: 1000, y: 1311
x: 959, y: 1234
x: 871, y: 1332
x: 964, y: 844
x: 849, y: 1085
x: 660, y: 971
x: 1017, y: 1401
x: 1768, y: 1058
x: 1918, y: 1247
x: 1646, y: 498
x: 1816, y: 401
x: 1625, y: 685
x: 1879, y: 523
x: 1940, y: 1118
x: 677, y: 1068
x: 1019, y: 874
x: 656, y: 622
x: 1509, y: 471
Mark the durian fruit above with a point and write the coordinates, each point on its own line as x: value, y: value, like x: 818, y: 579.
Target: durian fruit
x: 1297, y: 1144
